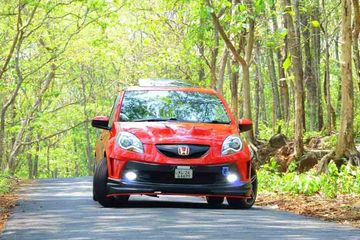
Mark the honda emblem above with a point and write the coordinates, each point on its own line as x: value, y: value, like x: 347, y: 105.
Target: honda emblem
x: 183, y: 150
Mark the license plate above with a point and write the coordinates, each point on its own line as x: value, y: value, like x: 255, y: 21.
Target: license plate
x: 183, y: 172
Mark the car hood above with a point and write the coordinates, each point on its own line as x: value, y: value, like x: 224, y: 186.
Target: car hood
x: 178, y: 133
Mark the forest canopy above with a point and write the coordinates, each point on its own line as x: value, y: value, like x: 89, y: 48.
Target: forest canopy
x: 289, y: 65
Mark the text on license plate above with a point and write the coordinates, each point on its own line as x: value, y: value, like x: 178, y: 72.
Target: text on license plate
x: 183, y: 173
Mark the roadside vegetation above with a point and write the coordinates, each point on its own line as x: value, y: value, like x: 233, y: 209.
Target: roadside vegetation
x: 7, y: 183
x: 7, y: 196
x: 337, y: 181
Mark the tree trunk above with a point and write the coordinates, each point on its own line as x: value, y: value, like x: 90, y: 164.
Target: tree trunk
x: 330, y: 113
x: 214, y: 55
x: 201, y: 50
x: 48, y: 160
x: 316, y: 63
x: 284, y: 89
x: 259, y: 61
x: 356, y: 31
x: 36, y: 160
x: 309, y: 78
x: 234, y: 79
x: 345, y: 145
x: 295, y: 50
x: 257, y: 100
x: 246, y: 77
x: 220, y: 82
x: 276, y: 109
x: 259, y: 92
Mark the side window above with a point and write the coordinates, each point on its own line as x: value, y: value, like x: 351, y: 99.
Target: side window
x: 111, y: 117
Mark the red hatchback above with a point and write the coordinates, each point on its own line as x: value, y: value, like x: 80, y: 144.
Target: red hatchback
x: 167, y: 138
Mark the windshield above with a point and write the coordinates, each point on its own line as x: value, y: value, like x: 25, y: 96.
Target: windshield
x: 182, y: 106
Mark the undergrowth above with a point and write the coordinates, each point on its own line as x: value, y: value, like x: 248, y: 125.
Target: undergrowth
x: 7, y: 183
x: 345, y: 180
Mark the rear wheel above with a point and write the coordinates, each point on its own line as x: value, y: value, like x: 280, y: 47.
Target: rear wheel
x: 215, y: 201
x: 245, y: 203
x: 99, y: 187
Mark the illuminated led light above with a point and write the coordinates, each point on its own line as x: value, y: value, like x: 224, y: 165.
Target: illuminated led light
x: 130, y: 176
x: 231, y: 178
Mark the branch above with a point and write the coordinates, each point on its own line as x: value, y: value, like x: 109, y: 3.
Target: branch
x: 204, y: 57
x: 15, y: 40
x: 52, y: 135
x: 226, y: 39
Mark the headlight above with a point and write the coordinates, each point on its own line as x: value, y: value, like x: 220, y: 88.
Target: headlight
x: 129, y: 141
x: 232, y: 144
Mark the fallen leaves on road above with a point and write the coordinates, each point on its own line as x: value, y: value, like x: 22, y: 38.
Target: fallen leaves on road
x: 343, y: 209
x: 7, y: 201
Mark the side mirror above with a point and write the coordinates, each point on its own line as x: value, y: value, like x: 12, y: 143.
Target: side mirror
x: 245, y: 125
x: 100, y: 122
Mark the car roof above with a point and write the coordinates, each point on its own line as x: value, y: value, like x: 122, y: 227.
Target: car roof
x: 161, y: 84
x: 164, y: 82
x: 187, y: 89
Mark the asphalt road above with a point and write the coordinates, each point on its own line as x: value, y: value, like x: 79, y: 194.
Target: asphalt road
x: 64, y: 209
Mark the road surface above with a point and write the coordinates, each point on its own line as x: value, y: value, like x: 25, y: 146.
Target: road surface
x: 64, y: 209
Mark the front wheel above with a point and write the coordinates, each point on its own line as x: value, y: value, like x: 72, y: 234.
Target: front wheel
x: 245, y: 203
x: 99, y: 187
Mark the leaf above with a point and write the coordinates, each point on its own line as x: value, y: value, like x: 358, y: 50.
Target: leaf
x: 242, y: 7
x: 315, y: 23
x: 259, y: 6
x: 287, y: 63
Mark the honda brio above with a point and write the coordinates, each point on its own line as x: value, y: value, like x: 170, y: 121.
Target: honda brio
x: 166, y: 138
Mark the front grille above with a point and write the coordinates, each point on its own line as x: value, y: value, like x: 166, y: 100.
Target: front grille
x: 171, y: 150
x: 159, y: 173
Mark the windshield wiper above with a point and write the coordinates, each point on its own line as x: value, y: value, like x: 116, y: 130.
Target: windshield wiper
x: 217, y: 122
x: 155, y: 119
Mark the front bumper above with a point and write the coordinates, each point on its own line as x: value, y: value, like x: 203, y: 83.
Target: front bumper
x: 154, y: 179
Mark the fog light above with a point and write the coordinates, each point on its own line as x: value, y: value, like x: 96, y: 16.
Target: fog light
x: 231, y: 178
x: 130, y: 176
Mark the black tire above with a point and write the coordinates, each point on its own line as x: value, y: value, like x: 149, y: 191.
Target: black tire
x: 93, y: 188
x: 215, y: 201
x: 93, y: 194
x: 100, y: 191
x: 245, y: 203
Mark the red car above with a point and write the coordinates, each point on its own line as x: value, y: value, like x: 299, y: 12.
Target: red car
x: 166, y: 138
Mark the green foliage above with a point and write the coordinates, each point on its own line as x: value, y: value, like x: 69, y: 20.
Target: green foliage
x: 357, y: 128
x: 266, y: 132
x: 315, y: 23
x: 330, y: 142
x: 6, y: 183
x: 345, y: 180
x: 287, y: 63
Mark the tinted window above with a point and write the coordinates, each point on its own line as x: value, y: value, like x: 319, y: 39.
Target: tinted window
x: 180, y: 106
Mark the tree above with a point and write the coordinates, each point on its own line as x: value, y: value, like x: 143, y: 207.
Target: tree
x: 294, y: 49
x: 345, y: 146
x: 246, y: 41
